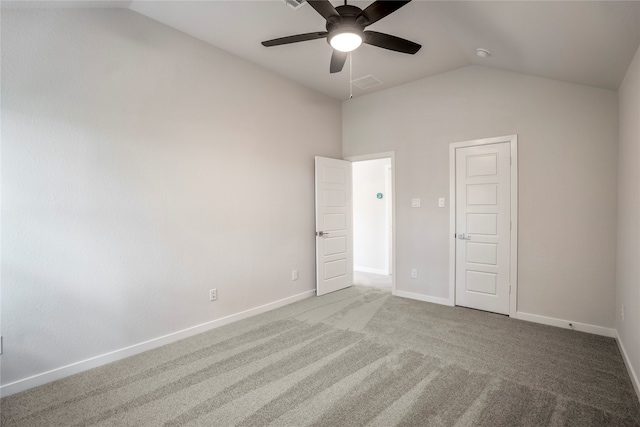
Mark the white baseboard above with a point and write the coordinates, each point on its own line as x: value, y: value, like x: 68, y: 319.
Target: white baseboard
x: 371, y: 270
x: 582, y: 327
x: 627, y: 362
x: 425, y: 298
x: 94, y: 362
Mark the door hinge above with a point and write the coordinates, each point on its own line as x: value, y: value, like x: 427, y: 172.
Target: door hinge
x: 510, y: 161
x: 510, y: 225
x: 1, y: 349
x: 509, y: 289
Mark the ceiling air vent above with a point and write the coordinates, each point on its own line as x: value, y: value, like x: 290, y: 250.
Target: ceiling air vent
x: 295, y: 4
x: 366, y: 82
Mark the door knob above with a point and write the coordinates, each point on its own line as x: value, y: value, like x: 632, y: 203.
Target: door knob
x: 322, y: 233
x: 463, y: 237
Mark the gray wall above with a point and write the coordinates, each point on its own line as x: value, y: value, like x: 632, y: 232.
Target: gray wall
x: 140, y: 168
x: 628, y: 278
x: 567, y: 142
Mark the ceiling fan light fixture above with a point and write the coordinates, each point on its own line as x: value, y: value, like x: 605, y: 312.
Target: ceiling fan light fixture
x: 347, y: 40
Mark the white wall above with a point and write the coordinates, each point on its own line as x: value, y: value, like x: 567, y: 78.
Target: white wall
x: 567, y: 138
x: 370, y: 222
x: 628, y: 272
x: 140, y: 168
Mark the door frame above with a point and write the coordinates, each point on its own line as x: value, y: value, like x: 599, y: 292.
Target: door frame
x: 513, y: 256
x: 386, y: 155
x: 388, y: 178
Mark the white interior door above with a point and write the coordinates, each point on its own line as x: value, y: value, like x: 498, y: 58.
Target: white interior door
x: 483, y: 227
x: 334, y: 230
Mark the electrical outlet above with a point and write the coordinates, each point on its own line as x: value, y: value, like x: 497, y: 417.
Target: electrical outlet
x: 213, y: 294
x: 414, y: 273
x: 622, y: 312
x: 441, y: 202
x: 294, y: 275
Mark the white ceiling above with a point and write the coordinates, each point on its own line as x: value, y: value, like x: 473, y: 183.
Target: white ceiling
x: 585, y: 42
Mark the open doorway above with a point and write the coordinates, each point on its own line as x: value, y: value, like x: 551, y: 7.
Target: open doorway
x: 373, y: 222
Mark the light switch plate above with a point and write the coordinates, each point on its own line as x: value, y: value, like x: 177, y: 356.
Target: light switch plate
x: 415, y: 203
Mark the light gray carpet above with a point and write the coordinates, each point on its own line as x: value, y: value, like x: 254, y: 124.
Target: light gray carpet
x: 351, y: 358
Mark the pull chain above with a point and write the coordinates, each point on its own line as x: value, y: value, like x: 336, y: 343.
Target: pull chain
x: 350, y: 76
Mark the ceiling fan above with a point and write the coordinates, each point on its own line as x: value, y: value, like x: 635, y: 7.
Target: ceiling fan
x: 346, y: 30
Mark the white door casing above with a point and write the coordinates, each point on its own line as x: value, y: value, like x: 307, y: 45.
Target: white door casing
x: 389, y: 208
x: 334, y: 230
x: 484, y: 205
x: 392, y: 203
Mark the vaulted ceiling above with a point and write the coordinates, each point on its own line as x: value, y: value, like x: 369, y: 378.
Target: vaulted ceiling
x: 584, y: 42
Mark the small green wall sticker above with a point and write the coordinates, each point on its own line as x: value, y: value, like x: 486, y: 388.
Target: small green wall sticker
x: 379, y: 195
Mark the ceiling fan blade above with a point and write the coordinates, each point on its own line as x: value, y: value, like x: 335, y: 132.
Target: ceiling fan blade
x: 379, y: 9
x: 324, y: 8
x: 390, y: 42
x: 295, y: 39
x: 337, y: 61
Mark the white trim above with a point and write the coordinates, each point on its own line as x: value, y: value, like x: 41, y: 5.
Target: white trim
x: 567, y: 324
x: 94, y: 362
x: 452, y: 225
x: 386, y: 155
x: 627, y: 363
x: 389, y: 211
x: 513, y: 301
x: 425, y: 298
x: 373, y: 156
x: 371, y: 270
x: 513, y: 273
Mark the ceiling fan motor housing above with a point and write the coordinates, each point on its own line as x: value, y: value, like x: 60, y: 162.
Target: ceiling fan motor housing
x: 349, y: 21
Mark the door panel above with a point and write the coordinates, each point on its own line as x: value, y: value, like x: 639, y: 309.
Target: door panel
x: 334, y: 233
x: 334, y: 198
x: 482, y: 253
x: 482, y: 165
x: 478, y: 223
x: 482, y: 194
x: 335, y: 269
x: 483, y: 200
x: 485, y: 283
x: 335, y: 245
x: 333, y: 222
